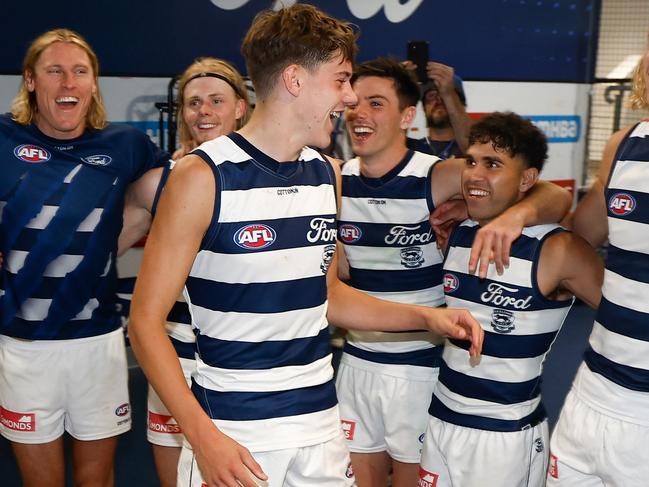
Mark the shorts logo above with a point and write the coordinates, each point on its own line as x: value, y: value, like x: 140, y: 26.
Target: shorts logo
x: 538, y: 445
x: 31, y: 153
x: 427, y: 479
x: 349, y: 472
x: 348, y: 429
x: 17, y: 421
x: 451, y: 283
x: 161, y: 423
x: 553, y: 469
x: 98, y: 160
x: 412, y: 257
x: 327, y: 257
x: 122, y: 410
x: 349, y: 233
x: 421, y: 437
x: 622, y: 204
x: 255, y: 237
x: 502, y: 320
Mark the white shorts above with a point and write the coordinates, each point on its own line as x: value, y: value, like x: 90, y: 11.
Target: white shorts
x: 590, y: 448
x: 162, y: 428
x: 465, y: 457
x: 381, y: 412
x: 78, y: 385
x: 323, y: 465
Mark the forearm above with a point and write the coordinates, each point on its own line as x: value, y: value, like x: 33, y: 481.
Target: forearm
x: 460, y: 122
x: 545, y: 203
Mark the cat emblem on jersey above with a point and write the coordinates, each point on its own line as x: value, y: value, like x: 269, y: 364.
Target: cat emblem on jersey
x: 412, y: 257
x: 502, y: 320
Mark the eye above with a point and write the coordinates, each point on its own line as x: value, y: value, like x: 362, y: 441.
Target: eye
x: 81, y: 71
x: 54, y: 71
x: 375, y: 104
x: 470, y: 162
x: 217, y: 101
x: 193, y: 103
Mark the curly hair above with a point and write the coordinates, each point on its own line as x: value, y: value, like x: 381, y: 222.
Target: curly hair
x: 638, y: 98
x: 24, y: 106
x: 300, y: 34
x: 404, y: 80
x: 513, y: 134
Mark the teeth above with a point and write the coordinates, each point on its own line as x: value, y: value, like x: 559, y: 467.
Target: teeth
x: 478, y: 192
x: 363, y: 130
x: 67, y: 99
x: 206, y: 125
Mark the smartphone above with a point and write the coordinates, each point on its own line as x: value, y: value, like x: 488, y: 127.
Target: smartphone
x: 418, y: 54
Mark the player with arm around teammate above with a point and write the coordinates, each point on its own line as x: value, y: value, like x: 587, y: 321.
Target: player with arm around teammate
x: 254, y: 249
x: 386, y: 379
x: 62, y: 185
x: 494, y: 404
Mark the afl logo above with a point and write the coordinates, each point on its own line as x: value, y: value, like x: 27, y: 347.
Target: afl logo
x: 349, y: 233
x: 31, y: 153
x: 621, y: 203
x: 98, y: 160
x: 254, y: 237
x: 451, y: 283
x: 123, y: 409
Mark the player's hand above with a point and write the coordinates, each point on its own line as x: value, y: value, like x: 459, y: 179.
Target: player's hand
x: 444, y: 218
x: 493, y: 243
x: 225, y: 463
x: 442, y: 75
x: 459, y: 324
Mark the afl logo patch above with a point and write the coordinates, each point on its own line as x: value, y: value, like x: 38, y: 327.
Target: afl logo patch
x: 123, y: 409
x: 254, y: 237
x: 98, y: 160
x: 451, y: 283
x: 31, y: 153
x: 349, y: 233
x: 622, y: 204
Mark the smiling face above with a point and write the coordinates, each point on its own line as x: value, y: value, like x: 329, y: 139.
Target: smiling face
x: 375, y: 123
x: 210, y: 108
x: 327, y: 92
x: 493, y: 180
x: 63, y: 82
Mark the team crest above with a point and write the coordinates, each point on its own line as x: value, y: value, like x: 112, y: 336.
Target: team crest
x: 451, y: 283
x: 98, y: 160
x: 502, y: 320
x: 254, y: 237
x: 621, y: 204
x: 31, y: 153
x: 412, y: 257
x: 349, y: 233
x: 327, y: 257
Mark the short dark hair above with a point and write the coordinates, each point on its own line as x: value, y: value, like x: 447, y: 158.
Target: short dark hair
x: 509, y: 132
x: 404, y: 80
x: 299, y: 34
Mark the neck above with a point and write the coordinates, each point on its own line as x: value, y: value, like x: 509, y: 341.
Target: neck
x: 272, y: 130
x: 441, y: 133
x: 381, y: 163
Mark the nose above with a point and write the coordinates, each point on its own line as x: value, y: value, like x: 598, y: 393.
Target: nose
x: 349, y: 97
x: 68, y: 79
x: 205, y: 108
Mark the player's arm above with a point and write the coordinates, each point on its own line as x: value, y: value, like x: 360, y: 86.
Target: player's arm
x: 569, y: 266
x: 353, y: 309
x: 589, y: 219
x: 183, y: 216
x: 137, y: 209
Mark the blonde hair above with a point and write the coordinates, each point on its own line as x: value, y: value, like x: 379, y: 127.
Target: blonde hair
x: 215, y: 66
x: 24, y: 106
x: 638, y: 97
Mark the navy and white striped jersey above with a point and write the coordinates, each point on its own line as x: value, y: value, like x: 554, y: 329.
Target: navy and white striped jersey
x: 61, y: 204
x: 390, y: 246
x: 502, y: 392
x: 258, y: 296
x: 619, y: 343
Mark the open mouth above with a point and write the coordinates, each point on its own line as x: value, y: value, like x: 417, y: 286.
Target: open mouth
x: 477, y: 193
x: 206, y: 126
x: 67, y: 101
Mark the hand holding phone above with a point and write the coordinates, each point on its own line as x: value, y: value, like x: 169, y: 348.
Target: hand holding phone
x: 418, y: 54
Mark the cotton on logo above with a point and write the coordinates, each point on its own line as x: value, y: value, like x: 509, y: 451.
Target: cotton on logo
x: 161, y: 423
x: 254, y: 237
x: 31, y: 153
x: 349, y: 233
x: 348, y: 429
x: 17, y: 421
x: 427, y: 479
x: 621, y: 204
x: 451, y: 283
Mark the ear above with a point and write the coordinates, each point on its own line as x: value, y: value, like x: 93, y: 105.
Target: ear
x: 28, y: 76
x: 239, y: 108
x: 292, y: 78
x: 528, y: 179
x: 407, y: 116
